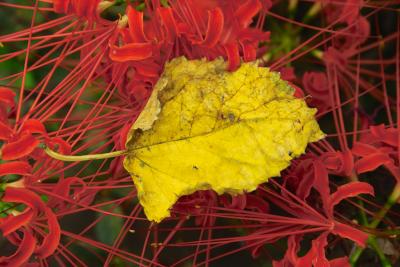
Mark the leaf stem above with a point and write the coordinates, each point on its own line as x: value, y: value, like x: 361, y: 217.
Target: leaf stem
x: 63, y: 157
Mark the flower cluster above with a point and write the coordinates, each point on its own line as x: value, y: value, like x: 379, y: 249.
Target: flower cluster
x: 78, y: 74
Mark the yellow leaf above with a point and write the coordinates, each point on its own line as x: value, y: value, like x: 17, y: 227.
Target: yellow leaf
x: 206, y: 128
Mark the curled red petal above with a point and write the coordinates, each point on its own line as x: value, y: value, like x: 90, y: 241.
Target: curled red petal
x: 215, y: 27
x: 22, y: 195
x: 169, y: 22
x: 349, y: 190
x: 24, y: 252
x: 7, y: 96
x: 5, y: 131
x: 20, y: 148
x: 341, y: 163
x: 33, y: 126
x: 62, y: 146
x: 247, y: 11
x: 136, y: 25
x: 371, y: 162
x: 351, y: 233
x: 15, y: 167
x: 12, y: 223
x: 52, y: 239
x: 232, y: 51
x: 131, y: 52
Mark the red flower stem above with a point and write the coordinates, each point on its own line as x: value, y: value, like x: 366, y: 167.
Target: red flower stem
x: 74, y: 158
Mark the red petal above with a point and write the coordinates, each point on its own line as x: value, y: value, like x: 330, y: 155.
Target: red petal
x: 33, y: 126
x: 249, y: 51
x: 7, y: 96
x: 23, y: 253
x: 13, y: 223
x: 52, y: 239
x: 361, y: 149
x: 349, y: 190
x: 389, y: 136
x: 22, y: 195
x: 123, y: 136
x: 254, y: 36
x: 5, y: 131
x: 15, y: 167
x: 128, y: 52
x: 215, y: 27
x: 351, y: 233
x: 247, y: 11
x: 64, y: 187
x: 297, y: 90
x: 321, y: 183
x: 340, y: 262
x: 148, y: 69
x: 62, y: 146
x: 169, y: 22
x: 371, y: 162
x: 316, y: 255
x: 266, y: 4
x: 136, y: 26
x: 257, y: 203
x: 20, y: 148
x: 232, y: 52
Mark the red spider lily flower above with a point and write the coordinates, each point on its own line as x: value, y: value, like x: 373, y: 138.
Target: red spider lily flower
x: 346, y: 42
x: 109, y: 93
x: 28, y: 222
x: 24, y: 252
x: 338, y: 162
x: 342, y: 11
x: 225, y: 33
x: 316, y: 84
x: 378, y: 148
x: 23, y: 141
x: 197, y: 205
x: 318, y: 180
x: 314, y: 257
x: 348, y: 39
x: 69, y: 191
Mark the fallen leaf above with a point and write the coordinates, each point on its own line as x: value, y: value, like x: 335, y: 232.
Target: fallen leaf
x: 207, y: 128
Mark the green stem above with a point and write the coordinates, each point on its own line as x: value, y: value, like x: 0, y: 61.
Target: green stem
x: 63, y: 157
x: 293, y: 5
x: 384, y: 261
x: 312, y: 12
x: 394, y: 196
